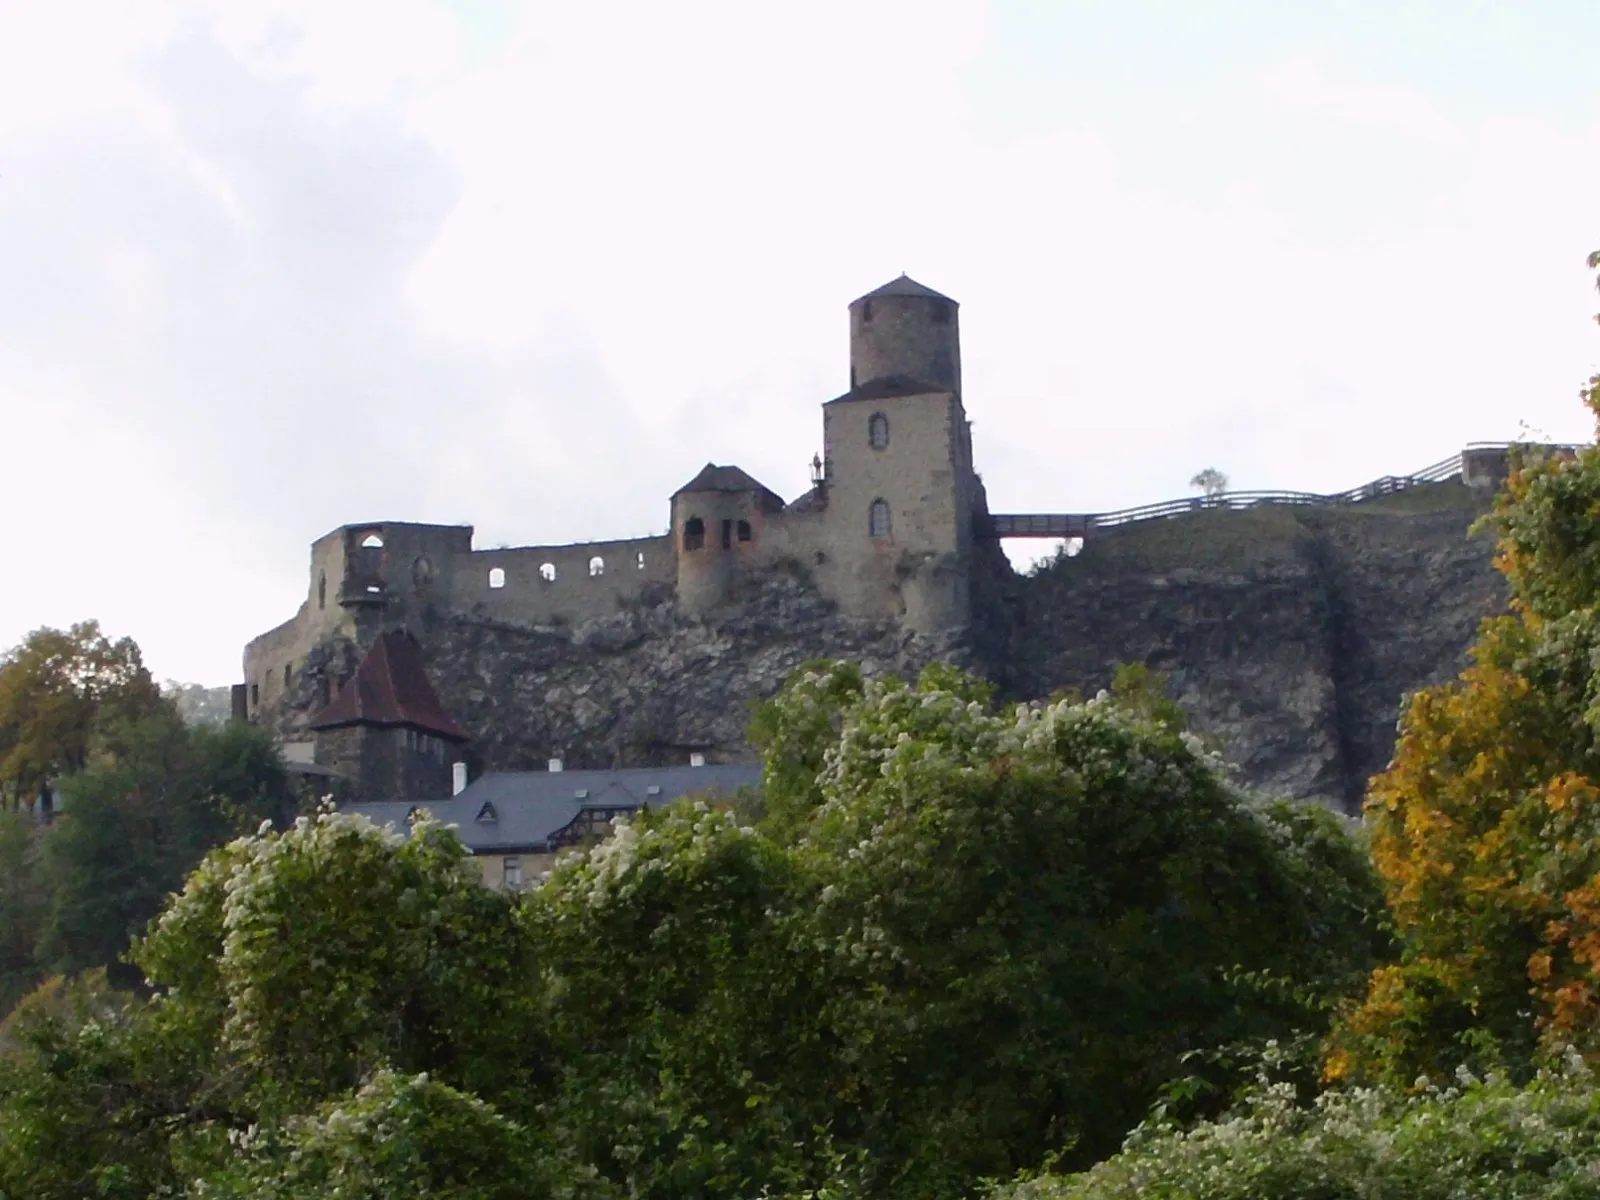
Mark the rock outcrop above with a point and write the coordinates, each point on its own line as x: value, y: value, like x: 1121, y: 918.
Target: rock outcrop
x: 1292, y: 634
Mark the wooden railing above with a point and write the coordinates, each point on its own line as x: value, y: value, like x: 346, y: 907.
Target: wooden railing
x: 1068, y: 525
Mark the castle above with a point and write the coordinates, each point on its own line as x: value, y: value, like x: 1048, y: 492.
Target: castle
x: 1291, y: 629
x: 885, y: 532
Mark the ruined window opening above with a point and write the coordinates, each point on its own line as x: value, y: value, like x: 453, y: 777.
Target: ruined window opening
x: 287, y: 675
x: 727, y: 533
x: 641, y: 560
x: 941, y: 312
x: 497, y: 577
x: 694, y: 533
x: 372, y: 542
x: 878, y: 519
x: 422, y: 571
x: 878, y: 431
x: 547, y: 572
x: 322, y: 589
x: 511, y: 872
x: 744, y: 531
x: 597, y: 566
x: 866, y: 312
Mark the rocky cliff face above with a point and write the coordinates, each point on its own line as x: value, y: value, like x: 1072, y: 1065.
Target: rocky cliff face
x: 1292, y: 634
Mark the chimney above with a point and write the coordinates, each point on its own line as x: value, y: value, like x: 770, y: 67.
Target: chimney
x: 697, y: 759
x: 458, y: 778
x: 555, y: 765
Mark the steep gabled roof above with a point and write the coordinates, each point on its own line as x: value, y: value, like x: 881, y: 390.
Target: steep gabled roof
x: 713, y: 478
x: 903, y: 286
x: 390, y: 688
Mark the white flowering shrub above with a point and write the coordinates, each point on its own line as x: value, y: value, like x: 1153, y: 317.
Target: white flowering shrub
x: 397, y: 1136
x: 1037, y: 914
x: 317, y: 955
x: 1476, y: 1140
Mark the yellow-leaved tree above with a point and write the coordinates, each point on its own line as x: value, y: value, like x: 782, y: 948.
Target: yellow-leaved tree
x: 1486, y: 826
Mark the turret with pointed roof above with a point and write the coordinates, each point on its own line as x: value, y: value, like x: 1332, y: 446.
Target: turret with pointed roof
x: 904, y: 340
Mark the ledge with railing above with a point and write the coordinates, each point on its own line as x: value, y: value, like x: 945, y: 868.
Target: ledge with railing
x: 1482, y: 463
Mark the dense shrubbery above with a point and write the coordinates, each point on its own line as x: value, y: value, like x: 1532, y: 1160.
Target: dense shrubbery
x: 964, y: 940
x: 1473, y: 1140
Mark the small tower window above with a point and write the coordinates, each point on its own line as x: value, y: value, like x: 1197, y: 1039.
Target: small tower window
x: 878, y: 431
x: 866, y: 312
x: 694, y: 533
x: 941, y: 311
x: 255, y: 695
x: 497, y: 577
x: 547, y: 572
x: 743, y: 531
x: 727, y: 534
x: 597, y: 566
x: 878, y: 519
x: 322, y: 589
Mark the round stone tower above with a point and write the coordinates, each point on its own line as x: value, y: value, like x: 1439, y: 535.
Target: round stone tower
x: 905, y: 332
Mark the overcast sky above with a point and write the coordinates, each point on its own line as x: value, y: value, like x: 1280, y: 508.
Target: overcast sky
x: 269, y: 267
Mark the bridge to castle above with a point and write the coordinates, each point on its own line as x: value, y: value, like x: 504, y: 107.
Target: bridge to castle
x: 1481, y: 464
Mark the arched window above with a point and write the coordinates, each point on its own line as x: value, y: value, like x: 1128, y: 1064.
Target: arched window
x: 322, y: 589
x: 878, y: 519
x: 694, y: 533
x: 497, y: 577
x: 744, y: 531
x: 597, y: 566
x: 422, y: 571
x: 641, y: 560
x: 547, y: 572
x: 878, y: 431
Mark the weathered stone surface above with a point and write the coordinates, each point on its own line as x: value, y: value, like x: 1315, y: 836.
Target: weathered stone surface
x: 1291, y: 633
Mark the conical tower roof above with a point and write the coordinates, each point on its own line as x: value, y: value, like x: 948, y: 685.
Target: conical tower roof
x: 903, y: 286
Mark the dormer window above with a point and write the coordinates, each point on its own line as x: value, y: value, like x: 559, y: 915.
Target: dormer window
x: 487, y: 814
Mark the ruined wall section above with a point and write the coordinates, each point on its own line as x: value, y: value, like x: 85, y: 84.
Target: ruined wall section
x: 543, y: 585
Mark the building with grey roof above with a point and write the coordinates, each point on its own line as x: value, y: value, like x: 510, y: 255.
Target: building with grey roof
x: 516, y: 822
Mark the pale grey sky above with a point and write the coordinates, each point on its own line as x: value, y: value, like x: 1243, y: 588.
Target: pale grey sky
x: 270, y: 266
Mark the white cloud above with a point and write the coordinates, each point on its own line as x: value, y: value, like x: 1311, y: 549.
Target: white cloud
x: 1300, y: 82
x: 266, y: 268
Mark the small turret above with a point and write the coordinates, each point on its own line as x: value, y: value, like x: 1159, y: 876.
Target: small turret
x: 719, y: 519
x: 908, y: 333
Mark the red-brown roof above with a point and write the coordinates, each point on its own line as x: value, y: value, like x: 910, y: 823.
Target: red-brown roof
x: 390, y: 688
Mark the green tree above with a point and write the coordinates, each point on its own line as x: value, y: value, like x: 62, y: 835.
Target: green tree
x: 1210, y: 481
x: 58, y: 691
x: 1039, y: 912
x: 137, y: 821
x: 1486, y: 828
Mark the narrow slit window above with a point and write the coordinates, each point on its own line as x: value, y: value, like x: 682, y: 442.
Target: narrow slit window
x: 727, y: 533
x: 641, y: 560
